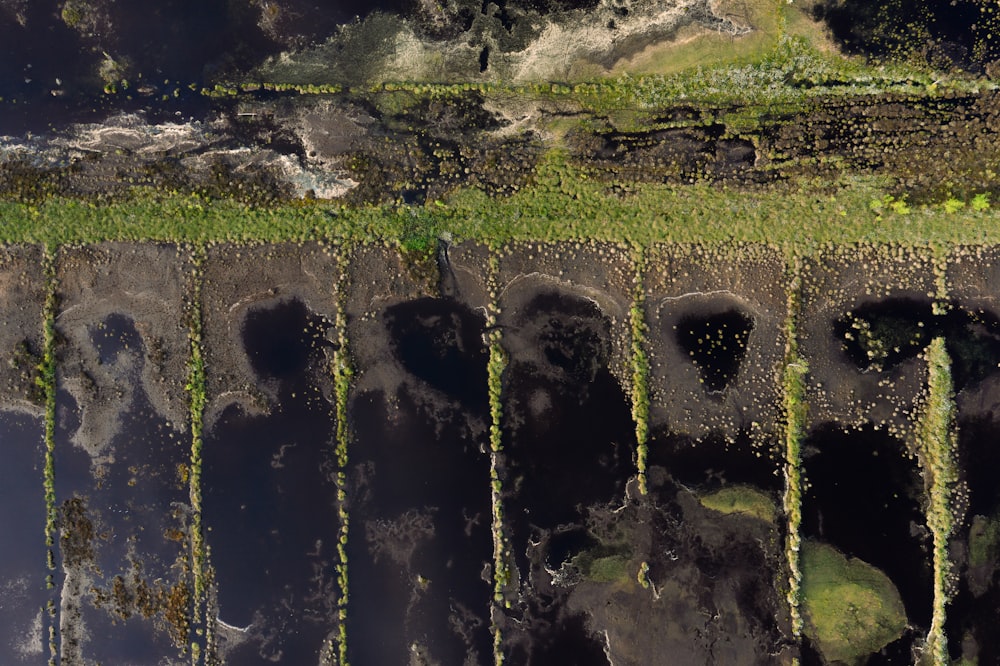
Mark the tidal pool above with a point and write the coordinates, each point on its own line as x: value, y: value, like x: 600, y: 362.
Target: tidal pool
x: 270, y: 500
x: 420, y: 546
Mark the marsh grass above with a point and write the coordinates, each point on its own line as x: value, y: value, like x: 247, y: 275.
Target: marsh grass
x: 343, y: 374
x: 937, y: 443
x: 195, y: 388
x: 46, y: 379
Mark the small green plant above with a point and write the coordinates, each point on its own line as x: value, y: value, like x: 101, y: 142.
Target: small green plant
x: 952, y: 205
x: 980, y: 202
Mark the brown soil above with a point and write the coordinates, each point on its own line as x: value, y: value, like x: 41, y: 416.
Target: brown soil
x: 241, y: 278
x: 22, y: 296
x: 683, y: 282
x: 833, y: 285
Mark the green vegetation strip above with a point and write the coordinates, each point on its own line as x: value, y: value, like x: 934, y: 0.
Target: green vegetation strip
x: 938, y: 442
x: 496, y: 366
x: 851, y: 608
x: 564, y: 202
x: 342, y: 376
x: 47, y: 383
x: 795, y: 414
x: 196, y: 393
x: 640, y: 366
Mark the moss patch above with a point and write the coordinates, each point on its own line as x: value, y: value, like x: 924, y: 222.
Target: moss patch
x: 851, y: 609
x: 741, y: 499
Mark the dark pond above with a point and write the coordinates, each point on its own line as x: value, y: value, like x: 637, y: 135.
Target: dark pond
x: 124, y: 523
x: 270, y: 498
x: 716, y: 344
x: 885, y: 333
x: 715, y: 462
x: 864, y: 497
x: 420, y: 546
x: 974, y: 613
x: 22, y: 559
x: 569, y: 447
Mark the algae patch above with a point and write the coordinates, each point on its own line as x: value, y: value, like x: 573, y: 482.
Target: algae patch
x: 742, y: 500
x: 850, y: 608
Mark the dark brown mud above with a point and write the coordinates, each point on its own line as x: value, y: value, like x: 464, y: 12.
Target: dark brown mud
x: 716, y: 339
x: 269, y: 478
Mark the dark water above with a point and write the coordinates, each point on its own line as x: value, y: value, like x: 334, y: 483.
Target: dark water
x: 125, y: 522
x: 716, y: 344
x: 270, y: 498
x: 903, y: 327
x: 715, y: 462
x: 864, y: 497
x: 569, y: 441
x: 420, y: 546
x: 975, y: 610
x: 22, y: 557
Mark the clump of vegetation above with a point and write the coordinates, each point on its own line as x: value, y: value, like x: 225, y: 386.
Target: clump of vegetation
x: 741, y: 499
x: 795, y: 415
x: 46, y: 379
x: 496, y: 366
x: 195, y: 388
x: 850, y: 608
x: 640, y: 367
x: 342, y: 376
x: 937, y: 443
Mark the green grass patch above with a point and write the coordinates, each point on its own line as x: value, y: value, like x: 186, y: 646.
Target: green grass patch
x: 196, y: 400
x: 639, y: 390
x: 850, y: 608
x: 741, y: 499
x: 937, y: 442
x: 343, y: 374
x: 795, y: 411
x: 984, y: 541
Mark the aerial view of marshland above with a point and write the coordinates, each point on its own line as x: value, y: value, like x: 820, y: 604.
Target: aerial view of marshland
x: 524, y: 332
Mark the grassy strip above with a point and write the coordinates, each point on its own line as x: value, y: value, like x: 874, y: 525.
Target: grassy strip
x: 795, y: 413
x: 47, y: 383
x: 640, y: 367
x: 564, y: 203
x: 937, y: 441
x: 196, y: 394
x: 496, y: 366
x: 343, y: 373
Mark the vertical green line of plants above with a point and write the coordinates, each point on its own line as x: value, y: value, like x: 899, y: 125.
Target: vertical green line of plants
x: 795, y: 410
x: 47, y: 383
x: 496, y: 366
x: 342, y: 376
x: 640, y: 365
x: 937, y: 441
x: 196, y: 394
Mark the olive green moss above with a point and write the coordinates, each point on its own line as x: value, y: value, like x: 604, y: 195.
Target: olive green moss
x: 984, y: 541
x: 343, y: 374
x: 639, y: 389
x: 496, y: 366
x: 850, y: 608
x: 937, y: 443
x: 795, y: 411
x: 740, y: 499
x: 47, y: 383
x: 197, y: 400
